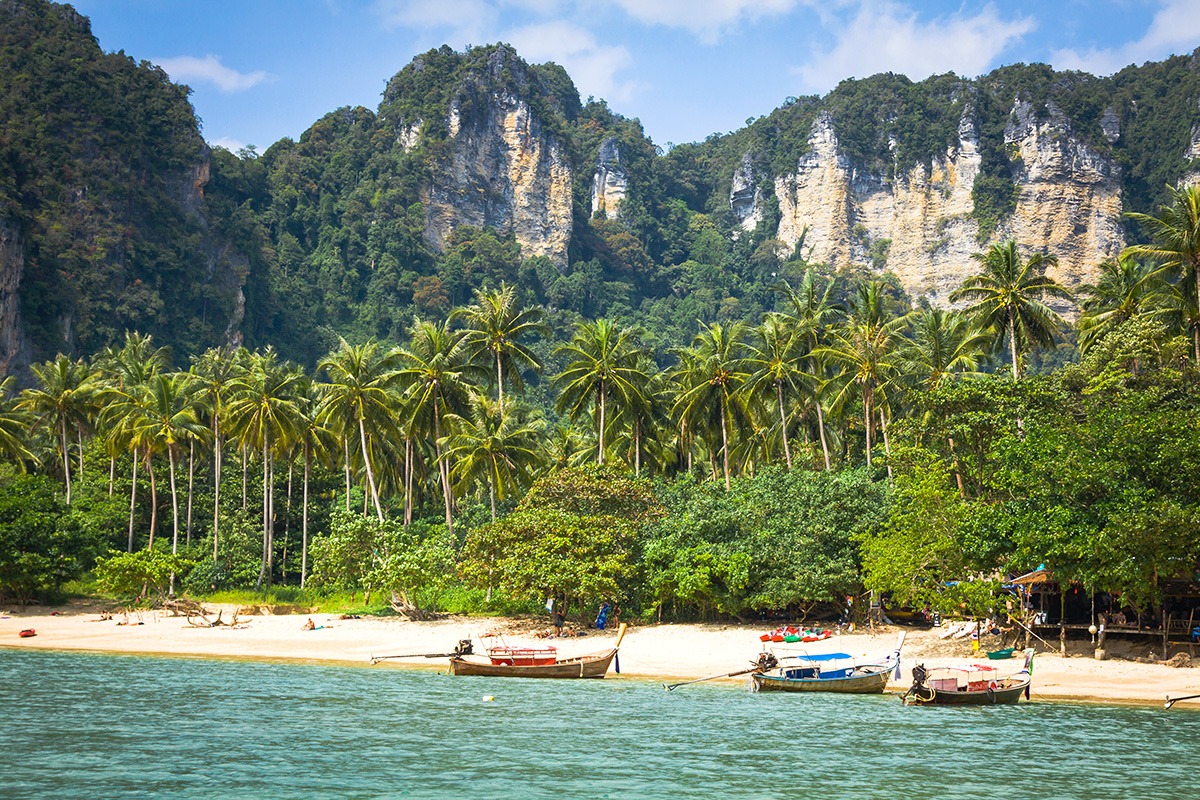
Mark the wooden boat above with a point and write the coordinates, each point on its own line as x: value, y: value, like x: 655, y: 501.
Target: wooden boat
x: 828, y: 672
x: 535, y: 662
x: 969, y: 685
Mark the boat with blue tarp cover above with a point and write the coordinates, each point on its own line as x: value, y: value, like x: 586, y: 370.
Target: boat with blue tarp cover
x: 828, y: 672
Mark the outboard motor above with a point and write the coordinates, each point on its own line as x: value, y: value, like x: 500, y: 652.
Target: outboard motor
x: 464, y: 648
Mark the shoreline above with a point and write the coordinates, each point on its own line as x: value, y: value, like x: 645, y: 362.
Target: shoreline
x: 657, y: 653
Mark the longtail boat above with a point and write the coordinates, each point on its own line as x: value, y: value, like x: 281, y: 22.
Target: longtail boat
x: 535, y: 662
x: 969, y: 685
x: 827, y: 672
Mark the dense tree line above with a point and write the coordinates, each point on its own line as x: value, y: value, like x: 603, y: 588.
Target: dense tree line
x: 830, y: 446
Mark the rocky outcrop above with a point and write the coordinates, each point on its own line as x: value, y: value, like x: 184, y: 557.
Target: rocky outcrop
x: 745, y: 196
x: 503, y: 170
x: 609, y: 183
x: 12, y: 265
x: 920, y: 225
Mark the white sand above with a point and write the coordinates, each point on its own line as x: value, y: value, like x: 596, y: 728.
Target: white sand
x: 666, y: 652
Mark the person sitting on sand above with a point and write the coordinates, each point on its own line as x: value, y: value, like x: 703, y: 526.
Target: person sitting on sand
x: 309, y: 626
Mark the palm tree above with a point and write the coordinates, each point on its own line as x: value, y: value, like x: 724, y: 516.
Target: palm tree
x: 216, y: 369
x: 359, y: 395
x: 603, y: 364
x: 264, y: 413
x: 1007, y: 297
x: 940, y: 344
x: 1175, y: 234
x: 773, y: 365
x: 63, y: 401
x: 15, y: 425
x: 168, y: 418
x: 1127, y: 287
x: 815, y: 311
x: 862, y: 350
x: 494, y: 329
x: 494, y: 446
x: 432, y: 367
x: 710, y: 375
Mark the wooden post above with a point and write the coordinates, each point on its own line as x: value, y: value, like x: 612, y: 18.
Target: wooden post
x: 1166, y: 627
x: 1062, y: 639
x: 1100, y: 654
x: 1190, y: 628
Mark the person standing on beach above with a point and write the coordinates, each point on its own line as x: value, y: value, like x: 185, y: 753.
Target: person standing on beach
x: 558, y: 622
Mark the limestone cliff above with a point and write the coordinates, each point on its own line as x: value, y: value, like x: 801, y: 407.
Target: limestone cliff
x: 920, y: 224
x: 12, y: 264
x: 502, y: 169
x: 609, y: 183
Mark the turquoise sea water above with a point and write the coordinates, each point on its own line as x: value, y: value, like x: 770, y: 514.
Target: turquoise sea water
x: 102, y: 726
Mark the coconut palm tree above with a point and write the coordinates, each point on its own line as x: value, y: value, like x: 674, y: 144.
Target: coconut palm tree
x: 773, y: 365
x: 215, y: 371
x: 493, y: 332
x: 433, y: 369
x: 168, y: 419
x: 604, y: 365
x: 1175, y: 244
x: 863, y: 353
x: 360, y: 395
x: 710, y: 376
x: 1127, y: 287
x: 62, y: 400
x: 814, y: 311
x: 1007, y: 297
x: 494, y: 446
x: 265, y: 415
x: 940, y: 344
x: 15, y: 426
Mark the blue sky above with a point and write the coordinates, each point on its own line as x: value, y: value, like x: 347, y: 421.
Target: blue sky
x: 263, y: 70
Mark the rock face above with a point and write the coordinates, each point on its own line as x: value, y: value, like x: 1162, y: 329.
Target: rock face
x: 12, y: 264
x: 609, y: 183
x: 503, y: 170
x: 745, y: 196
x: 920, y: 225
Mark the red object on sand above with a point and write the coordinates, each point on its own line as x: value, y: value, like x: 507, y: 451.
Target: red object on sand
x: 25, y: 634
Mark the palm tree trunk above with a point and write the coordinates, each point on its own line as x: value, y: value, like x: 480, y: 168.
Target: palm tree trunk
x: 887, y: 447
x: 492, y: 494
x: 304, y: 514
x: 262, y: 570
x: 79, y: 444
x: 362, y: 436
x: 958, y: 478
x: 445, y: 473
x: 408, y: 480
x: 174, y: 516
x: 637, y: 448
x: 787, y: 451
x: 271, y: 519
x: 245, y: 464
x: 500, y: 384
x: 867, y: 397
x: 346, y: 452
x: 133, y: 499
x: 821, y: 429
x: 725, y: 444
x: 603, y: 409
x: 112, y: 473
x: 1012, y: 343
x: 153, y: 500
x: 216, y: 485
x: 66, y: 457
x: 191, y: 485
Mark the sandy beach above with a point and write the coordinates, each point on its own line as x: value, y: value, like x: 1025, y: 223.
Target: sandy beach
x: 670, y: 652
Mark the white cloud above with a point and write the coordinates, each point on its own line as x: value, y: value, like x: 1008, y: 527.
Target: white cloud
x: 591, y: 65
x: 1174, y: 29
x: 189, y: 69
x: 705, y: 18
x: 232, y: 145
x: 885, y: 36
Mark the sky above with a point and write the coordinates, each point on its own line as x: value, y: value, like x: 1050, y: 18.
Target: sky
x: 261, y: 70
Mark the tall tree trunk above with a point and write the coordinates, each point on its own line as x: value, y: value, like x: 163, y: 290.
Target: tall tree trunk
x: 66, y: 457
x: 787, y: 450
x: 500, y: 383
x: 79, y: 443
x: 112, y: 473
x: 603, y: 408
x: 245, y: 466
x: 346, y: 454
x: 362, y: 436
x: 887, y: 447
x: 492, y: 495
x: 637, y: 448
x: 304, y: 514
x: 725, y: 444
x: 958, y: 478
x: 271, y: 519
x: 867, y: 421
x: 174, y: 516
x: 408, y: 481
x: 266, y: 529
x: 191, y: 485
x: 442, y: 468
x: 1012, y: 343
x: 216, y: 485
x: 153, y: 500
x: 821, y: 429
x: 133, y: 498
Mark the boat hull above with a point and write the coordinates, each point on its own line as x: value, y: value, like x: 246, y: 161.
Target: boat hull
x: 590, y: 666
x: 870, y: 682
x: 1004, y: 695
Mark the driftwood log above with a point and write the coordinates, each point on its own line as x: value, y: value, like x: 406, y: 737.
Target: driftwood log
x: 402, y: 606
